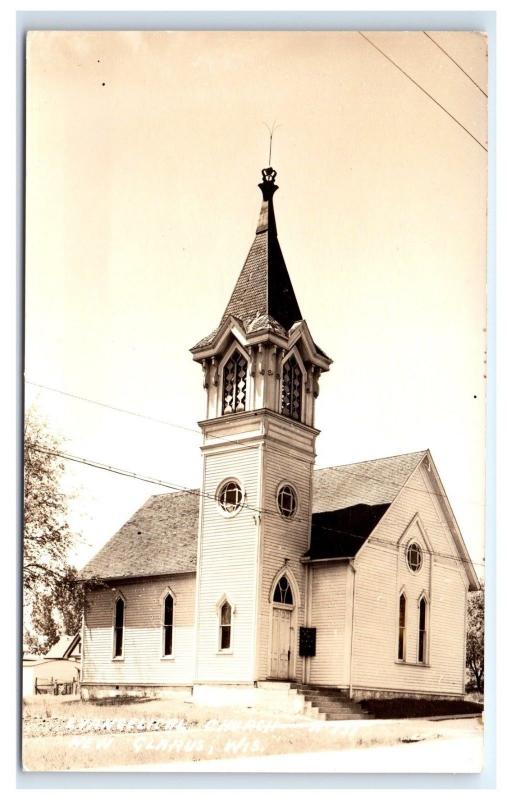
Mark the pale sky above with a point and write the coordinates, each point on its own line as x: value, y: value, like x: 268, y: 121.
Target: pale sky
x: 144, y: 151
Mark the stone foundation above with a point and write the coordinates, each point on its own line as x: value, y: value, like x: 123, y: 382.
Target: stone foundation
x: 384, y: 694
x: 100, y: 691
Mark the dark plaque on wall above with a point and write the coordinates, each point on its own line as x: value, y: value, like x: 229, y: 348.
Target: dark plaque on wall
x: 307, y: 641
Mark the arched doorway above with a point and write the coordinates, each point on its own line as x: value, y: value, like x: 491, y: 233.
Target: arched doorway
x: 282, y: 648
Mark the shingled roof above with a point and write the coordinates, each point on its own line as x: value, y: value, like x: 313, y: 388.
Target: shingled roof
x: 263, y: 295
x: 371, y: 482
x: 159, y: 539
x: 348, y: 501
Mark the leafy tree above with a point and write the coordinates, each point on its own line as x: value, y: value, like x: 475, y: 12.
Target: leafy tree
x: 475, y: 638
x: 53, y: 597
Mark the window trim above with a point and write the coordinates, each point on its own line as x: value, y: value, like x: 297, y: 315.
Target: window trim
x: 121, y: 657
x: 220, y: 488
x: 170, y: 656
x: 279, y: 488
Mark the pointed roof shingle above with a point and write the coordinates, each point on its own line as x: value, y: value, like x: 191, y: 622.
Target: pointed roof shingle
x: 161, y: 537
x: 264, y: 289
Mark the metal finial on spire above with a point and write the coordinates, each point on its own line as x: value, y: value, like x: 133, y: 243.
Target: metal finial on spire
x: 271, y: 132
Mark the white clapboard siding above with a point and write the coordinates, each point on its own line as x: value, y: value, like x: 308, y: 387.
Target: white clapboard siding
x: 284, y: 542
x: 142, y: 661
x: 227, y: 562
x: 330, y: 615
x: 382, y: 573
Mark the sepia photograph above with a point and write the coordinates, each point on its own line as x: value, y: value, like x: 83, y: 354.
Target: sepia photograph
x: 255, y: 381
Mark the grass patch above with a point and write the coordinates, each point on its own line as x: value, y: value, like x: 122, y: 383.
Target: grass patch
x: 205, y: 743
x: 409, y: 708
x: 63, y: 734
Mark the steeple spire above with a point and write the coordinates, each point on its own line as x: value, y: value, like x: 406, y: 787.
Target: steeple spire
x: 264, y: 289
x: 262, y: 354
x: 267, y: 215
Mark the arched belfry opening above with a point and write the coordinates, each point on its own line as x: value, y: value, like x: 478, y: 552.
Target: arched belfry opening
x: 292, y: 394
x: 234, y: 384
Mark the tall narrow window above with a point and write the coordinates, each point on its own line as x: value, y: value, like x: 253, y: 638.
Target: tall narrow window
x: 401, y: 629
x: 291, y: 389
x: 421, y: 644
x: 119, y: 623
x: 225, y: 626
x: 234, y: 384
x: 168, y: 625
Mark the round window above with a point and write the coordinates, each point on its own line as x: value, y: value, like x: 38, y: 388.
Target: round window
x: 414, y: 557
x: 230, y: 497
x: 287, y: 501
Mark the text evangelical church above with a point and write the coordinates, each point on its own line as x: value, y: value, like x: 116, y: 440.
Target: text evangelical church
x: 353, y: 577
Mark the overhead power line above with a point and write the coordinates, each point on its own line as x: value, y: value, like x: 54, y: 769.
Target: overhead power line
x: 294, y: 457
x: 454, y: 62
x: 113, y: 408
x: 184, y: 489
x: 391, y: 61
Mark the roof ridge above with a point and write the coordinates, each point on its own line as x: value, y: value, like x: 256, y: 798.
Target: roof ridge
x: 371, y: 460
x: 173, y: 494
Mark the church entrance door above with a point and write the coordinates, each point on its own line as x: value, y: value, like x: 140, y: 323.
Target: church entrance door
x: 281, y: 643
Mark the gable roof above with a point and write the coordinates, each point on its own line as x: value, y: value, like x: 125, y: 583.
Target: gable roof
x: 350, y: 500
x: 371, y: 482
x: 159, y: 539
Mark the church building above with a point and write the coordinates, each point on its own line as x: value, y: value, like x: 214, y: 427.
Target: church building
x: 275, y: 575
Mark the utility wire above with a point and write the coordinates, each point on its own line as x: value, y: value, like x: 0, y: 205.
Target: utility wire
x: 112, y: 408
x: 293, y: 457
x: 199, y: 493
x: 454, y: 62
x: 422, y: 89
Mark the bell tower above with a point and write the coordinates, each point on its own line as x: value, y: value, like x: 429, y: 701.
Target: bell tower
x: 261, y: 371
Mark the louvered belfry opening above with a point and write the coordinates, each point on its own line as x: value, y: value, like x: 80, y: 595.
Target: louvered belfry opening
x: 291, y: 389
x: 234, y: 384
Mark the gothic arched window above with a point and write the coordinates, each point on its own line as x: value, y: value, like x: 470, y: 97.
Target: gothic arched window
x: 168, y: 624
x: 401, y: 627
x: 283, y: 592
x: 423, y: 633
x: 234, y: 384
x: 291, y: 389
x: 225, y: 625
x: 119, y: 624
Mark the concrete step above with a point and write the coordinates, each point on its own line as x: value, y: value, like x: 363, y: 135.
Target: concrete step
x: 331, y: 703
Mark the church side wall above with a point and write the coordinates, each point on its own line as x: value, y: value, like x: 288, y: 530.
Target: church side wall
x: 382, y: 574
x: 329, y: 614
x: 143, y: 662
